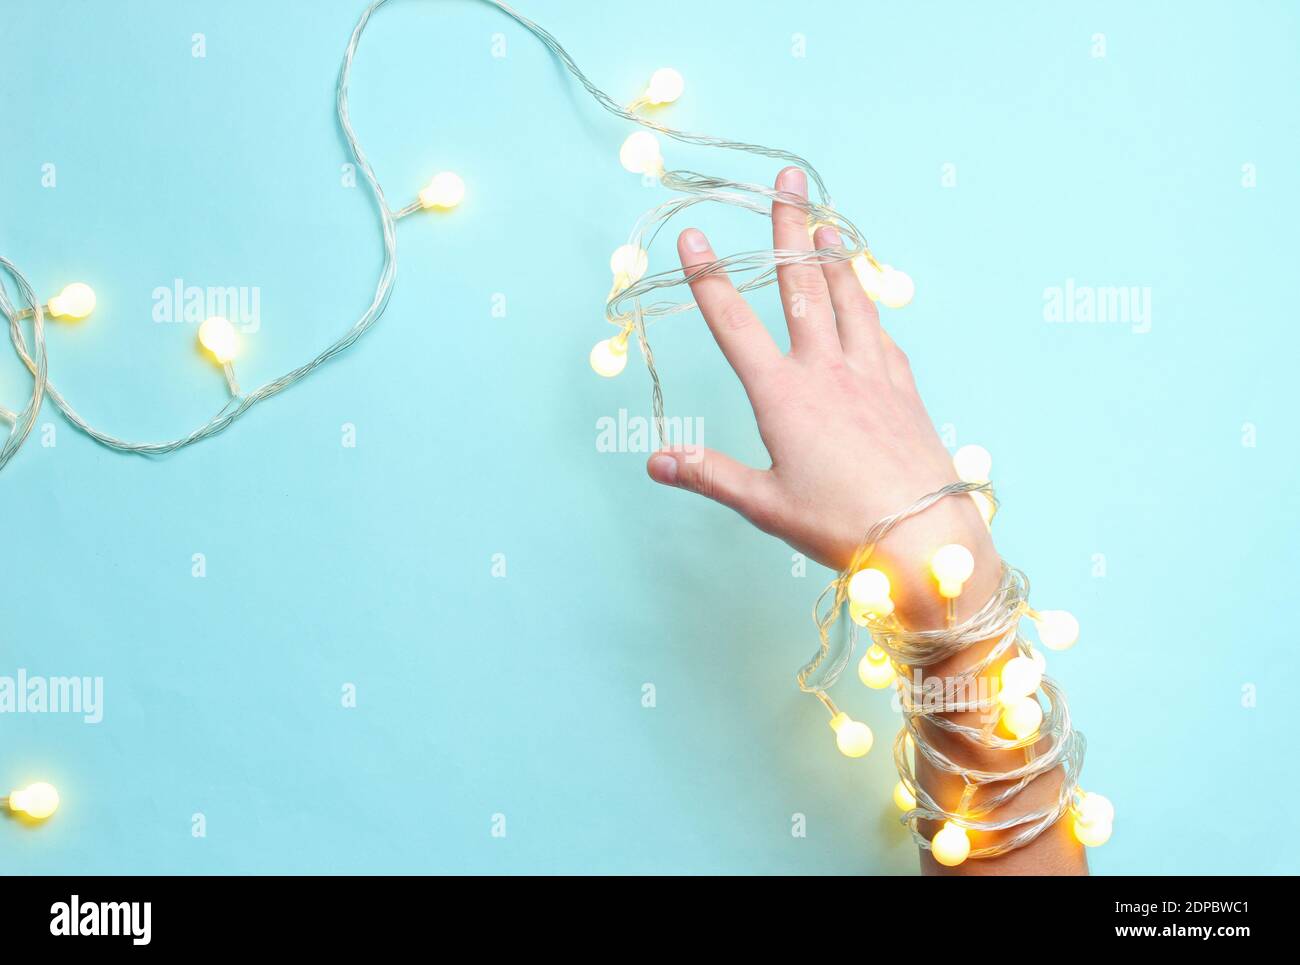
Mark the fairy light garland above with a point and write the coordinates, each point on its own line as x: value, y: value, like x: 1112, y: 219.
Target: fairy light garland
x: 631, y: 306
x: 897, y: 658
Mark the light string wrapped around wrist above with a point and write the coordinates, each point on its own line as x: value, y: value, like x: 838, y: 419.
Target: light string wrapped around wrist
x: 898, y: 657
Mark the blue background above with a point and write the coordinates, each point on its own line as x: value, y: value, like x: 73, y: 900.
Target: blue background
x: 476, y: 434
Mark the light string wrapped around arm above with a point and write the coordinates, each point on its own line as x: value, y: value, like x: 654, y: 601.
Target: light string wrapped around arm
x: 1053, y: 744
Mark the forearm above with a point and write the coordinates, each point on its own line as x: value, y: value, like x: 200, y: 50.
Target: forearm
x: 1056, y: 851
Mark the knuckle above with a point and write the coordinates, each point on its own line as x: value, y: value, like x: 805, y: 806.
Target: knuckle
x: 734, y: 317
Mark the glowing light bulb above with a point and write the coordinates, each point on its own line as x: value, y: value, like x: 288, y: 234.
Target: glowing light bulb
x: 1020, y: 678
x: 218, y: 336
x: 1093, y: 808
x: 860, y: 614
x: 609, y: 356
x: 852, y: 737
x: 984, y: 503
x: 1057, y: 629
x: 868, y: 275
x: 973, y: 464
x: 1022, y: 717
x: 952, y: 566
x: 1092, y: 835
x: 666, y: 85
x: 1094, y: 817
x: 76, y: 301
x: 896, y: 287
x: 904, y: 799
x: 870, y: 589
x: 1039, y: 660
x: 628, y: 263
x: 446, y: 190
x: 875, y: 670
x: 640, y: 153
x: 950, y: 845
x: 38, y: 800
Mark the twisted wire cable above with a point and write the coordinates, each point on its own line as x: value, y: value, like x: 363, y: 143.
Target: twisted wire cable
x: 697, y: 187
x: 929, y: 699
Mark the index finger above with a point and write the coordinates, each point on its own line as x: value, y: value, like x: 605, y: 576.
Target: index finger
x: 748, y: 346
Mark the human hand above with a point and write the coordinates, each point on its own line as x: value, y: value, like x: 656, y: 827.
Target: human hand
x: 848, y: 435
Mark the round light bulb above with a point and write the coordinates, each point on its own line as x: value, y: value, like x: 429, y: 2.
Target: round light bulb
x: 896, y: 287
x: 852, y: 737
x: 950, y: 845
x: 973, y: 464
x: 1020, y: 678
x: 640, y: 153
x: 1092, y: 835
x: 445, y: 190
x: 218, y: 336
x: 38, y: 800
x: 1039, y: 660
x: 1022, y: 717
x: 76, y: 301
x: 666, y: 85
x: 868, y: 275
x: 904, y: 799
x: 874, y: 669
x: 870, y: 589
x: 609, y: 356
x: 952, y: 565
x: 861, y: 615
x: 984, y: 503
x: 1094, y: 809
x: 1057, y: 629
x: 628, y: 263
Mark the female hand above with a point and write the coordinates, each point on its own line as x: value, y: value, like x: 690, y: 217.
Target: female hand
x: 848, y: 436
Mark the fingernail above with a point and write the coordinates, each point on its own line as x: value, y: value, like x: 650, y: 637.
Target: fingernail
x: 826, y: 237
x: 695, y: 241
x: 793, y: 181
x: 663, y: 469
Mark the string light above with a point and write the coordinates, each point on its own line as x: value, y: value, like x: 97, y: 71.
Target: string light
x: 1094, y: 817
x: 1020, y: 678
x: 904, y: 799
x: 875, y: 670
x: 973, y: 464
x: 952, y: 566
x: 896, y: 287
x: 609, y: 356
x: 640, y: 154
x: 76, y: 302
x: 1046, y: 740
x: 1057, y: 629
x: 628, y: 263
x: 950, y: 845
x: 37, y: 801
x: 1022, y: 717
x: 666, y: 85
x: 219, y: 337
x: 869, y: 589
x: 852, y: 737
x: 445, y: 190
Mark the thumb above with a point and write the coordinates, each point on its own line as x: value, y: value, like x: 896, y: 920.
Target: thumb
x: 714, y: 475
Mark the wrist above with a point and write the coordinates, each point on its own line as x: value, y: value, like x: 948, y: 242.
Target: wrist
x: 905, y: 554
